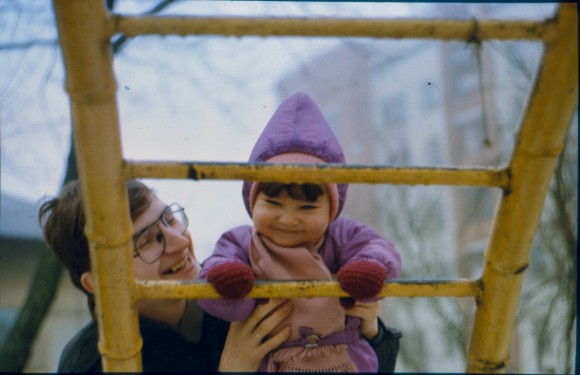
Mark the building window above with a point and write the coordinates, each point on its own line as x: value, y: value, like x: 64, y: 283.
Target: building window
x: 394, y: 130
x: 465, y: 75
x: 474, y: 253
x: 395, y: 112
x: 481, y: 202
x: 429, y: 96
x: 434, y: 154
x: 333, y: 119
x: 471, y: 131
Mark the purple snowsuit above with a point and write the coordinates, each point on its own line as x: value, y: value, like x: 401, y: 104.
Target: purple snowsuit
x: 298, y: 126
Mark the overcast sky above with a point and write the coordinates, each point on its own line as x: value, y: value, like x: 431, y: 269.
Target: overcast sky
x: 194, y: 98
x: 179, y: 99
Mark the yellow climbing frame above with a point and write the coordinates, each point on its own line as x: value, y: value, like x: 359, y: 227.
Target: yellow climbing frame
x: 85, y: 30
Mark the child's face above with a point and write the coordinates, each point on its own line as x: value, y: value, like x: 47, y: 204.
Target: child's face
x: 291, y: 222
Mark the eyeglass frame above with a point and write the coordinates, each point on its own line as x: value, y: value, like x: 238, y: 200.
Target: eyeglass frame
x: 173, y: 208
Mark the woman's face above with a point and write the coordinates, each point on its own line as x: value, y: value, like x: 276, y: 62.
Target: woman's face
x: 177, y: 262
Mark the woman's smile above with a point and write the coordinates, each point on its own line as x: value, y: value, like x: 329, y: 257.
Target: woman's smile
x: 178, y: 266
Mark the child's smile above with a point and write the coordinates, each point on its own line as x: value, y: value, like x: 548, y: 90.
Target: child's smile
x: 291, y: 222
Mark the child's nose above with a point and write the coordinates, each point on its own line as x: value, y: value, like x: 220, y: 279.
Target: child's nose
x: 287, y: 218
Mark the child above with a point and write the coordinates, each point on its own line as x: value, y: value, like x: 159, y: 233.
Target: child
x: 297, y: 236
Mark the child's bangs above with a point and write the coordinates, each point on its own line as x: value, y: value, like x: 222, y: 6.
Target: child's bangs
x: 307, y: 192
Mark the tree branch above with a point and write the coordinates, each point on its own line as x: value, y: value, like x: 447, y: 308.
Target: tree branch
x: 28, y: 44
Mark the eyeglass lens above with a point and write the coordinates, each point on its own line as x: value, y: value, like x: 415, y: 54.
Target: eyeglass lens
x: 150, y: 243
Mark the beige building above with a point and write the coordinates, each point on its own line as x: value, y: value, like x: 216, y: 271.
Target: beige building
x: 424, y: 103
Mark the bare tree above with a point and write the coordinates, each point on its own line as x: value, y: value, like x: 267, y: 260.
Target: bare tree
x: 413, y: 218
x: 547, y: 320
x: 550, y: 296
x: 15, y: 349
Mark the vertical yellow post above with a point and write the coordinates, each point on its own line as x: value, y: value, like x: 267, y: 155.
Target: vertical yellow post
x: 85, y: 30
x: 538, y: 145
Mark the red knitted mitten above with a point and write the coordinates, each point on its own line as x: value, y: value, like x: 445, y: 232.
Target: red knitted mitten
x: 362, y: 280
x: 232, y: 279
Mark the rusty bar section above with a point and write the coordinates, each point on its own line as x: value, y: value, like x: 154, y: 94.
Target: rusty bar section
x: 84, y: 28
x: 540, y: 141
x: 333, y: 27
x: 321, y: 173
x: 292, y: 289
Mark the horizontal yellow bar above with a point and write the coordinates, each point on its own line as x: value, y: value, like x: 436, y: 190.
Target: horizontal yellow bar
x: 312, y: 288
x: 319, y: 173
x: 337, y: 27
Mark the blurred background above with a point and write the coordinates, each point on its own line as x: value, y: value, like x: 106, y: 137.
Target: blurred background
x: 390, y: 102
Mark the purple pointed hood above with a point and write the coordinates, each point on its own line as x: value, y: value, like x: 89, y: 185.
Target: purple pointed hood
x: 297, y: 126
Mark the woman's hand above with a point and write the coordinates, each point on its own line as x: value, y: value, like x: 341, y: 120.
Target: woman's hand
x: 368, y: 314
x: 245, y: 346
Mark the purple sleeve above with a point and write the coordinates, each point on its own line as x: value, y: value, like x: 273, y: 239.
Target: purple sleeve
x: 233, y: 246
x: 352, y: 241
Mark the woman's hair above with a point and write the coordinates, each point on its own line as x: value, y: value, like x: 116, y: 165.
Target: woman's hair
x: 63, y: 222
x: 307, y: 192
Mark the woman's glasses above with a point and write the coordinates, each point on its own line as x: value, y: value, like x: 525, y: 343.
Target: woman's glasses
x: 149, y: 243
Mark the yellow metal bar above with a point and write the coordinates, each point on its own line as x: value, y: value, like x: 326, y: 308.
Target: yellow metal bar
x: 292, y: 289
x: 490, y: 177
x: 84, y: 29
x: 541, y: 138
x: 337, y: 27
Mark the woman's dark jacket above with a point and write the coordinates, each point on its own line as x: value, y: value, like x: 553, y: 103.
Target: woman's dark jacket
x: 166, y: 350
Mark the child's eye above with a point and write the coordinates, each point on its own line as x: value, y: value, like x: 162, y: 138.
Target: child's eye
x: 309, y: 207
x: 272, y: 202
